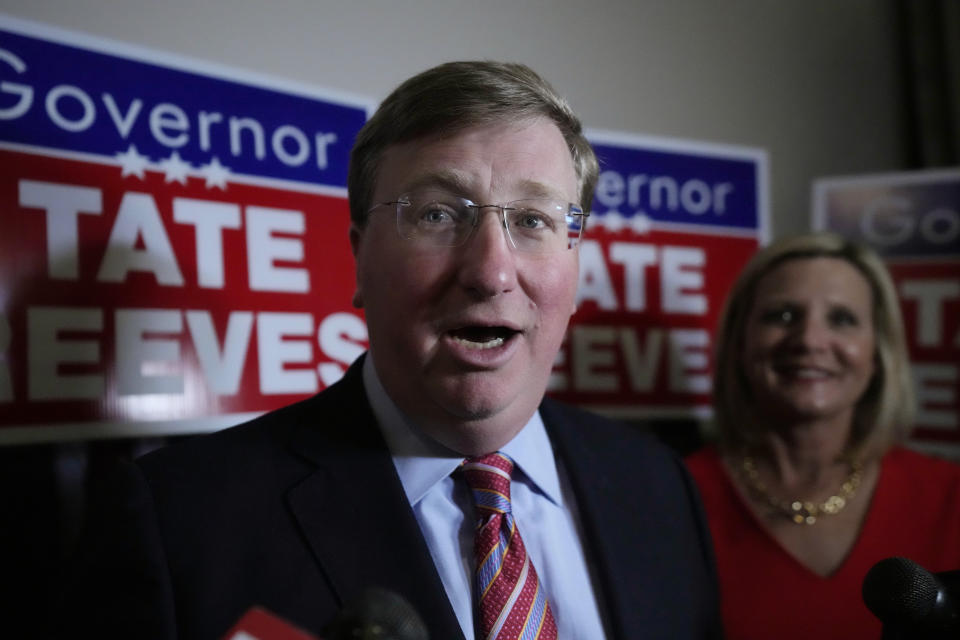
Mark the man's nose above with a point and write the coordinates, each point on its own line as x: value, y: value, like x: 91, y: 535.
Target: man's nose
x: 487, y: 259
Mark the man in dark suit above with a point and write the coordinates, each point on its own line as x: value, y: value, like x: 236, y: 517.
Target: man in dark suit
x: 437, y: 456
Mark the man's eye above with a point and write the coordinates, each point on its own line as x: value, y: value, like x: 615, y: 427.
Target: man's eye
x: 437, y: 215
x: 532, y: 220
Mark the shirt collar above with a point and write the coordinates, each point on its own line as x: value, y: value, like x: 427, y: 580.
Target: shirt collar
x: 422, y: 462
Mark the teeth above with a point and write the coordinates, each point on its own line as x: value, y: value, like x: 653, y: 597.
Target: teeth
x: 479, y: 346
x: 810, y: 374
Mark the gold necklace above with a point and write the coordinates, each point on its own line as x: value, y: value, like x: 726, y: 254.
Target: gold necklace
x: 802, y: 511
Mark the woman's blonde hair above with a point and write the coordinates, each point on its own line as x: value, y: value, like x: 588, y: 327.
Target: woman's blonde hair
x: 883, y: 415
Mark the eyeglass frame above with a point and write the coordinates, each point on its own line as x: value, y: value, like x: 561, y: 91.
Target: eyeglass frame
x: 573, y: 209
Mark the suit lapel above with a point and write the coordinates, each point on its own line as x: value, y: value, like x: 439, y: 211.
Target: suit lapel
x: 641, y: 525
x: 603, y: 509
x: 354, y: 513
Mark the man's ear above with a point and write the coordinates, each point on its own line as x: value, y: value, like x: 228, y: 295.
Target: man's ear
x: 356, y: 236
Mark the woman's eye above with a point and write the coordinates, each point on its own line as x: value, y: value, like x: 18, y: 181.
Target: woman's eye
x: 843, y: 318
x: 785, y: 316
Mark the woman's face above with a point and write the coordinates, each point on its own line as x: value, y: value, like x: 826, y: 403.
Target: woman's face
x: 808, y: 350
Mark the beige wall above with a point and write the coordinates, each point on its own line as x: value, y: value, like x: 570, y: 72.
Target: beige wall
x: 811, y: 81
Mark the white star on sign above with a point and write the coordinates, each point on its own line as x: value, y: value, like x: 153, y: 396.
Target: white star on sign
x: 132, y: 163
x: 175, y: 168
x: 612, y: 221
x: 642, y: 224
x: 216, y: 174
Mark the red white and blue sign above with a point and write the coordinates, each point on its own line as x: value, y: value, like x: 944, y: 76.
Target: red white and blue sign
x: 173, y: 255
x: 672, y: 224
x: 912, y: 219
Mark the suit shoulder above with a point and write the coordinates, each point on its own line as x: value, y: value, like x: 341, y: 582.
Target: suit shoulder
x: 597, y: 436
x: 240, y: 445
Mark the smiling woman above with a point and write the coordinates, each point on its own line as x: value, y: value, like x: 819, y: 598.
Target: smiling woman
x: 809, y: 341
x: 809, y: 484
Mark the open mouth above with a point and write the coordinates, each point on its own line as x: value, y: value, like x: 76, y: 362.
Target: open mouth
x: 480, y: 338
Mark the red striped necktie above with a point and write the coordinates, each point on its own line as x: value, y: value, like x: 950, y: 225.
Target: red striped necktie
x: 511, y: 603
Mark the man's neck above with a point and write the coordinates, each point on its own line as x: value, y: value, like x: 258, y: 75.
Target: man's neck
x: 466, y: 436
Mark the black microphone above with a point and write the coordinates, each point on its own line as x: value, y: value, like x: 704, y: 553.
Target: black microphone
x: 378, y: 614
x: 911, y: 602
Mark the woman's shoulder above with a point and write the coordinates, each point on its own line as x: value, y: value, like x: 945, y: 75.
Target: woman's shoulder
x: 922, y: 470
x: 916, y: 508
x: 708, y: 453
x: 911, y: 459
x: 704, y: 463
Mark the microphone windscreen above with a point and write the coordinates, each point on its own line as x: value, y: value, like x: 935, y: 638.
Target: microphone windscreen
x: 900, y: 592
x: 379, y: 614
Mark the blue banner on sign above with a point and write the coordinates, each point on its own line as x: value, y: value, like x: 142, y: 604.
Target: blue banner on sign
x: 899, y: 218
x: 678, y: 187
x: 55, y: 95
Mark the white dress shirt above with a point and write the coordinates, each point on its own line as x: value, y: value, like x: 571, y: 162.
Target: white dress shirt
x: 542, y: 504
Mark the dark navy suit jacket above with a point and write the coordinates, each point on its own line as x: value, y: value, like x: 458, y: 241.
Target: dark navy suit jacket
x: 301, y: 509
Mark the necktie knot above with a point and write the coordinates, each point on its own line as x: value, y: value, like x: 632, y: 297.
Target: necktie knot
x: 489, y: 480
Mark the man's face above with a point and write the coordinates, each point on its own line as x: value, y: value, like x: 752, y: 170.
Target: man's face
x: 464, y: 338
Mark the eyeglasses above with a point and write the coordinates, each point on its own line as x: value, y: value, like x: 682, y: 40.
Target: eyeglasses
x: 438, y: 219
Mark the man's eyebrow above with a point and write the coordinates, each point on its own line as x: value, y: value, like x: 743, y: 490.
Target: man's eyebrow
x: 535, y: 189
x: 460, y: 184
x: 452, y: 181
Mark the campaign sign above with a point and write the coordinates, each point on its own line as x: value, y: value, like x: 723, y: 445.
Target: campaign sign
x: 670, y: 228
x: 912, y: 219
x: 174, y: 252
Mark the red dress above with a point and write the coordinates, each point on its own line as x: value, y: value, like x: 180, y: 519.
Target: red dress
x: 767, y: 594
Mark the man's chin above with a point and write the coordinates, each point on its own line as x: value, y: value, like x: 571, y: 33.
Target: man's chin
x: 471, y: 409
x: 474, y: 429
x: 477, y: 395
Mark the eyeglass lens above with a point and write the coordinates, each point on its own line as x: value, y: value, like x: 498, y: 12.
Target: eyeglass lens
x: 533, y: 225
